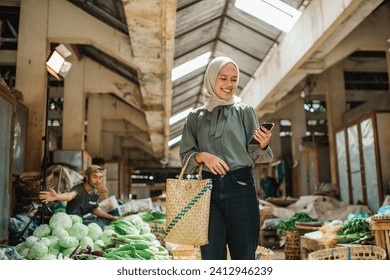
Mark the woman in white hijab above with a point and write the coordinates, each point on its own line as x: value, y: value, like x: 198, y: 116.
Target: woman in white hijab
x: 220, y: 133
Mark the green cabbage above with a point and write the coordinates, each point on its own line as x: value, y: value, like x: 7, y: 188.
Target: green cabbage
x: 49, y: 257
x: 54, y: 251
x: 37, y: 251
x: 95, y: 231
x: 68, y: 251
x: 24, y: 252
x: 20, y: 246
x: 60, y: 220
x: 87, y: 241
x: 42, y: 231
x: 69, y: 242
x: 106, y: 236
x: 76, y: 219
x: 99, y: 244
x: 31, y: 240
x: 54, y: 239
x: 60, y: 232
x: 22, y: 249
x: 78, y: 230
x: 44, y: 241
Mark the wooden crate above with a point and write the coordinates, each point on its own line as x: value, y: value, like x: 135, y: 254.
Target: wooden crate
x: 381, y: 232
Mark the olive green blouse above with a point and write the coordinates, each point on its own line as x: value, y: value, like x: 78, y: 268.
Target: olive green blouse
x: 224, y: 132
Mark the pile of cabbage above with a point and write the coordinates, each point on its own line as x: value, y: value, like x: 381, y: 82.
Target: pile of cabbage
x: 59, y: 238
x: 128, y: 238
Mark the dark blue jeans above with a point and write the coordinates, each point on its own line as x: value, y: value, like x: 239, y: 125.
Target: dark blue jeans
x: 234, y: 216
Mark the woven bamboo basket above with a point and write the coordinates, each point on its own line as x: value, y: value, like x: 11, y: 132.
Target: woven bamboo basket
x: 292, y: 248
x: 30, y: 184
x: 263, y: 253
x: 362, y: 252
x: 158, y: 230
x: 380, y: 219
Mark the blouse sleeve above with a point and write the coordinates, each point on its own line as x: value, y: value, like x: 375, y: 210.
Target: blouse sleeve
x: 188, y: 144
x: 251, y: 124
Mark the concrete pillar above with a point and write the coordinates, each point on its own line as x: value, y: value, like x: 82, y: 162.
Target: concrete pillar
x: 31, y: 75
x: 113, y: 147
x: 117, y: 151
x: 336, y: 103
x: 94, y: 126
x: 298, y: 129
x: 298, y: 125
x: 109, y: 143
x: 74, y: 107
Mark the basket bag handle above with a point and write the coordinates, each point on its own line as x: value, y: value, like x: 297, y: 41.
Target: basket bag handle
x: 185, y: 167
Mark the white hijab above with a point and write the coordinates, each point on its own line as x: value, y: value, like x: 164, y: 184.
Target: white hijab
x: 210, y: 78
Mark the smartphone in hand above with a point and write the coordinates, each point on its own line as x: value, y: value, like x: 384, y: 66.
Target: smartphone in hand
x: 267, y: 125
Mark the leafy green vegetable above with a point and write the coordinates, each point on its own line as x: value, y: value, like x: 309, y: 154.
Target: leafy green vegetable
x: 31, y: 240
x: 60, y: 232
x: 87, y: 241
x: 44, y: 241
x: 354, y: 230
x: 49, y: 257
x: 69, y: 242
x: 153, y: 216
x: 37, y: 251
x: 60, y: 220
x: 123, y: 226
x: 68, y: 251
x: 94, y: 231
x: 107, y: 236
x: 78, y: 230
x: 289, y: 225
x: 76, y: 219
x: 99, y: 244
x: 42, y: 231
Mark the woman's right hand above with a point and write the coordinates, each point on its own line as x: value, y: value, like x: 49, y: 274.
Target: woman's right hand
x: 216, y: 165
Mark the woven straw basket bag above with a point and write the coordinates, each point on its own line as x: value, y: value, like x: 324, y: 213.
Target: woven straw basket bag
x: 188, y: 209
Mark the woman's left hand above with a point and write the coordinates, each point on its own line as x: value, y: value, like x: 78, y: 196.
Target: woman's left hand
x: 263, y: 136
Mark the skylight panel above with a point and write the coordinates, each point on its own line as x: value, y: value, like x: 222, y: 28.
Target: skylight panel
x: 273, y: 12
x: 190, y: 66
x: 174, y: 141
x: 180, y: 116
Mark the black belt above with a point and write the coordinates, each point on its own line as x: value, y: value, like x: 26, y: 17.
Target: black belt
x: 232, y: 172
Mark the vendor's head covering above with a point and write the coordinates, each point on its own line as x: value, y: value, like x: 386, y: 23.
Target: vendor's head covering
x: 94, y: 169
x: 210, y: 77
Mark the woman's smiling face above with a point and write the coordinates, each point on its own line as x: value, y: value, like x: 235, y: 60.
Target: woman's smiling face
x: 226, y: 82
